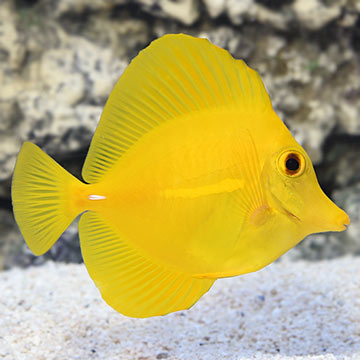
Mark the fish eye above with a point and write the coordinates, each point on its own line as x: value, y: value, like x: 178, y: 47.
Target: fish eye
x: 291, y: 163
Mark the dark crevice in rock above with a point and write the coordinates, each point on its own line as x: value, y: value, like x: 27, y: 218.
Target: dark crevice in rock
x: 75, y: 23
x: 5, y: 203
x: 274, y: 4
x: 322, y: 38
x: 25, y: 3
x: 355, y: 38
x: 73, y: 162
x: 341, y: 164
x: 131, y: 10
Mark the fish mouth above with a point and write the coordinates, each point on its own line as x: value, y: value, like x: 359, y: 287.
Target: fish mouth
x: 346, y: 223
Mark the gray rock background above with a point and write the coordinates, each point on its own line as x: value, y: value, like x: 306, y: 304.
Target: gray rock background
x: 59, y: 60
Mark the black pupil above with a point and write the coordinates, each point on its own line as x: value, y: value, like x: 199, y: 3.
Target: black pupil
x: 292, y: 164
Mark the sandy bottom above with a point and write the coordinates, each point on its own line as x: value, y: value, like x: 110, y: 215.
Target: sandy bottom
x: 285, y: 311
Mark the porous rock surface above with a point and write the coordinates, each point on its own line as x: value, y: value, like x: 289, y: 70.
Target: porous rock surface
x: 59, y: 60
x: 286, y: 311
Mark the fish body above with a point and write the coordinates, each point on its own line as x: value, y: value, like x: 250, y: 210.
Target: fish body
x: 191, y: 176
x: 190, y: 203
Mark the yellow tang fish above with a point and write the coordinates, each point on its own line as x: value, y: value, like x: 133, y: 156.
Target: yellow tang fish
x: 190, y: 177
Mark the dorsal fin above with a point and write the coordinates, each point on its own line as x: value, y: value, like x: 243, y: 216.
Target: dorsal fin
x: 175, y: 75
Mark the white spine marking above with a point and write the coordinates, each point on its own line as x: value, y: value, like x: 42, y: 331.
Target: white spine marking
x: 96, y: 197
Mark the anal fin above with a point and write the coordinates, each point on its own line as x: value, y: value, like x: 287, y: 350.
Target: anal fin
x: 128, y: 281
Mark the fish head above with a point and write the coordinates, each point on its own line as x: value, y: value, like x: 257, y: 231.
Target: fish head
x: 292, y: 189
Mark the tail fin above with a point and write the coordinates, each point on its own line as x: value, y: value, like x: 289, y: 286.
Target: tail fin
x: 42, y: 196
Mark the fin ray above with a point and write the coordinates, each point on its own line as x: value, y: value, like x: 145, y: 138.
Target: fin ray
x: 128, y: 281
x: 41, y: 198
x: 175, y: 75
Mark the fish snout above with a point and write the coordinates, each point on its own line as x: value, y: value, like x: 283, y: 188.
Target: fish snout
x: 343, y: 220
x: 331, y: 218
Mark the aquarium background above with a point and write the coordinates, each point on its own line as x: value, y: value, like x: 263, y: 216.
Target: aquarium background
x: 59, y: 60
